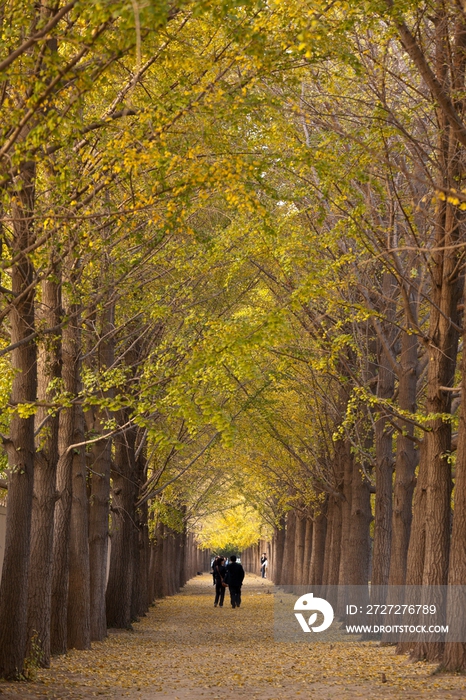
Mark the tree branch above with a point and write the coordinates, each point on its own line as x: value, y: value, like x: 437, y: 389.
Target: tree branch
x: 39, y: 35
x: 415, y: 53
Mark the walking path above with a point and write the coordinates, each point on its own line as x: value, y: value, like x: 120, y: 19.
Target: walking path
x: 186, y: 649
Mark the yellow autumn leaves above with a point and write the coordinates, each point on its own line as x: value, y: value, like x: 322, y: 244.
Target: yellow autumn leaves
x: 186, y: 649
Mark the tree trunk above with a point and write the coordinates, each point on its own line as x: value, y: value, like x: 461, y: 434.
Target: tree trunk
x: 279, y: 552
x: 288, y: 555
x: 299, y: 550
x: 62, y: 527
x: 20, y: 446
x: 307, y: 553
x: 124, y: 532
x: 79, y: 593
x: 443, y: 333
x: 143, y: 599
x: 383, y: 475
x: 45, y: 474
x: 359, y: 540
x: 61, y: 542
x: 159, y: 561
x: 417, y: 540
x: 319, y: 531
x: 151, y: 583
x: 405, y: 466
x: 454, y: 658
x: 182, y: 578
x: 168, y: 557
x: 441, y: 370
x: 406, y: 462
x: 332, y: 542
x: 345, y: 555
x: 100, y: 492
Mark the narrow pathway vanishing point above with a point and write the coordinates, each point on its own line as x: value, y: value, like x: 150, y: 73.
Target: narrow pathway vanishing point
x: 186, y: 649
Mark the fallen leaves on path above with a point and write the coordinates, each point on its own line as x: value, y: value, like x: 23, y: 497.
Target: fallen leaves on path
x: 185, y: 648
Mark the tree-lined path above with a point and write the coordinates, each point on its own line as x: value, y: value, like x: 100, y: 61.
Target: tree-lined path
x: 232, y: 319
x: 188, y: 650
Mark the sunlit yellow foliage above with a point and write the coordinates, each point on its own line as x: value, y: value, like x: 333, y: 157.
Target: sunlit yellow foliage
x: 233, y: 528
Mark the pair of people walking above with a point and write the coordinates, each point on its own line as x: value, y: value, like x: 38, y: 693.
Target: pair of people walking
x: 231, y: 577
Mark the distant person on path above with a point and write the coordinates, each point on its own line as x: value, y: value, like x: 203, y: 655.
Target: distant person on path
x: 219, y: 573
x: 234, y: 578
x: 264, y: 564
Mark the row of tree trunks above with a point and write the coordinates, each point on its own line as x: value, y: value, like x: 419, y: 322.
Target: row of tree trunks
x: 251, y: 558
x: 70, y: 614
x: 66, y: 602
x: 331, y: 545
x: 174, y: 558
x: 295, y: 553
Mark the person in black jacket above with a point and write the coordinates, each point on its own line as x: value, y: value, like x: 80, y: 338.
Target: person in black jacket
x: 213, y: 564
x: 219, y: 574
x: 234, y: 578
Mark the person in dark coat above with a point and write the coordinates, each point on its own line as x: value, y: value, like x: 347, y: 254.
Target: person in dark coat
x: 212, y: 567
x: 234, y: 578
x: 219, y: 573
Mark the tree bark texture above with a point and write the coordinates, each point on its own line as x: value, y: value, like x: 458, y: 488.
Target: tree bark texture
x: 79, y: 594
x: 277, y: 563
x: 307, y: 552
x: 20, y: 446
x: 454, y: 657
x: 298, y: 565
x: 124, y: 532
x: 443, y: 327
x: 289, y: 550
x: 319, y: 531
x: 100, y: 464
x: 405, y: 463
x: 62, y: 526
x: 45, y: 473
x: 383, y: 474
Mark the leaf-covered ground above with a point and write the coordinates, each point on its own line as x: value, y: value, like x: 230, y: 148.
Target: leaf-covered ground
x: 187, y: 649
